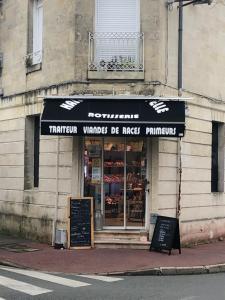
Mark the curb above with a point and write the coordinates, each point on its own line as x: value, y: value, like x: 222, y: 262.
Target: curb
x: 159, y: 271
x: 6, y: 263
x: 165, y: 271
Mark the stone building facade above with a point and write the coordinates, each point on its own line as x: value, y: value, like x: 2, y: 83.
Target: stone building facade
x: 75, y: 55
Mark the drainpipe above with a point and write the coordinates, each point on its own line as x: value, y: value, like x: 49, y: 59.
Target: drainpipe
x: 180, y: 87
x: 54, y: 223
x: 179, y: 169
x: 180, y: 49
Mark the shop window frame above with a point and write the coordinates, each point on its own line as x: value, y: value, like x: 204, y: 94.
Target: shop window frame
x: 125, y: 225
x: 217, y: 157
x: 32, y: 152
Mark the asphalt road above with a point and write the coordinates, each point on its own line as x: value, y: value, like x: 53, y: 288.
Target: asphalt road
x: 16, y: 284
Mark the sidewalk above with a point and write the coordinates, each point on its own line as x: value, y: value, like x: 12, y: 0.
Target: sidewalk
x: 197, y: 260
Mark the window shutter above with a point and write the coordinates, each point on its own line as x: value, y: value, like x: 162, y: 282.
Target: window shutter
x: 117, y: 24
x: 117, y: 16
x: 37, y: 31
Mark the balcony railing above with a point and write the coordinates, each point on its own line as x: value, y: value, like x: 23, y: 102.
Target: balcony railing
x: 116, y: 51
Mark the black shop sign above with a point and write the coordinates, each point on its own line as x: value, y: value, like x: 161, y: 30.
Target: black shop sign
x: 100, y: 116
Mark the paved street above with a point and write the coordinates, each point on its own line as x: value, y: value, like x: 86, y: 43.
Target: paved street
x: 24, y: 284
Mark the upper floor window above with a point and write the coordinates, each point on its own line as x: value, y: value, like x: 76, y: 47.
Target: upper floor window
x: 37, y: 30
x: 116, y: 44
x: 117, y: 16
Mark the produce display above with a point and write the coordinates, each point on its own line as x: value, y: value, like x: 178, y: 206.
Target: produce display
x: 120, y: 163
x: 113, y: 178
x: 113, y: 164
x: 113, y: 199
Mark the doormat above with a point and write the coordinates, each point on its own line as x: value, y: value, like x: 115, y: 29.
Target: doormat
x: 19, y: 248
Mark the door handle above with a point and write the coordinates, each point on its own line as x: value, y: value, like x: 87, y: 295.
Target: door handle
x: 146, y: 182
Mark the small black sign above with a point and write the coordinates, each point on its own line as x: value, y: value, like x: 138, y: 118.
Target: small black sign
x: 81, y: 223
x: 166, y: 234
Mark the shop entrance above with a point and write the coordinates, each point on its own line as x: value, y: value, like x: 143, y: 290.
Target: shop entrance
x: 115, y: 176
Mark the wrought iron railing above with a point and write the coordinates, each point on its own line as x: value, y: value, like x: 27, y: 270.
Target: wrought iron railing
x: 116, y: 51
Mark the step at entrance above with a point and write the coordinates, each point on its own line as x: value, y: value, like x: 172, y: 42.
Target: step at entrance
x: 121, y: 239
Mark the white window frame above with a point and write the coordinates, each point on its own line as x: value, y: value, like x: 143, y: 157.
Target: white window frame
x: 113, y: 44
x: 37, y: 31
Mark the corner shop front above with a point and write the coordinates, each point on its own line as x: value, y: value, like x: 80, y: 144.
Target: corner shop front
x: 115, y: 152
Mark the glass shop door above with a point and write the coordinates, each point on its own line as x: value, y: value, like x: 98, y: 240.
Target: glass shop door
x: 115, y: 176
x: 136, y: 181
x: 114, y: 182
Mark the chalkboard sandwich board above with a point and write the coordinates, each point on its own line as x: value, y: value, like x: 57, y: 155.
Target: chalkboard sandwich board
x: 166, y: 234
x: 81, y: 229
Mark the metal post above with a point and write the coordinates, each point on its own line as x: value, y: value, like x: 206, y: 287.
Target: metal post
x: 54, y: 223
x: 179, y: 170
x: 180, y: 49
x: 180, y: 87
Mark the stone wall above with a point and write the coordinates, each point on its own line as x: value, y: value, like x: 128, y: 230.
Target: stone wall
x: 30, y: 212
x: 58, y: 62
x: 202, y: 212
x: 203, y: 39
